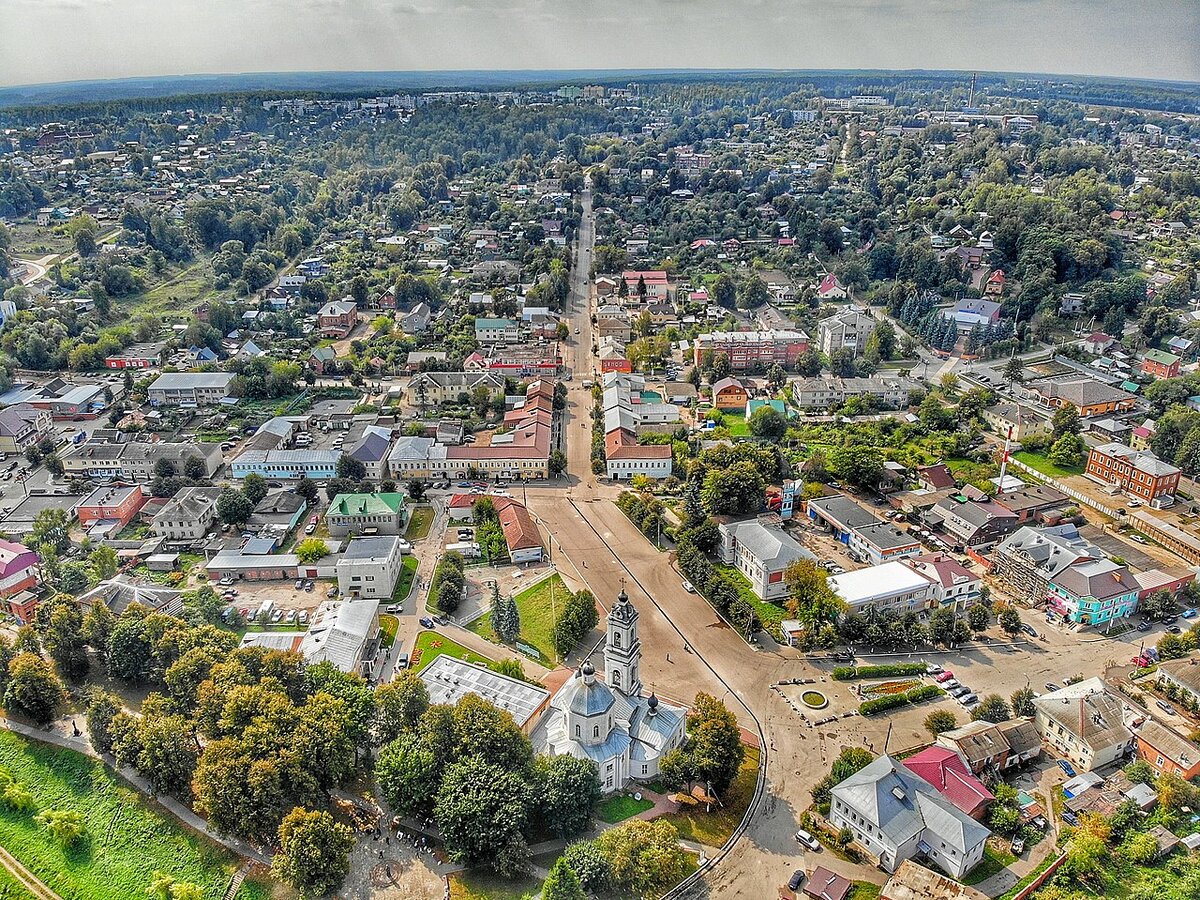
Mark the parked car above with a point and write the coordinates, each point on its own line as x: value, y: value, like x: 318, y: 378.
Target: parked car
x: 1144, y: 625
x: 299, y: 584
x: 309, y: 529
x: 277, y: 615
x: 1052, y: 687
x: 441, y: 620
x: 945, y: 676
x: 796, y: 880
x: 689, y: 587
x: 951, y: 683
x: 1190, y: 613
x: 426, y: 622
x: 1069, y: 770
x: 1165, y: 706
x: 934, y: 669
x: 393, y: 608
x: 304, y: 618
x: 958, y: 691
x: 402, y: 661
x: 1174, y: 629
x: 968, y: 700
x: 1018, y: 846
x: 308, y: 585
x: 803, y: 837
x: 1029, y: 630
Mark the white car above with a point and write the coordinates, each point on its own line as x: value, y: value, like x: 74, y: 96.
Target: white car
x: 807, y: 840
x: 689, y: 587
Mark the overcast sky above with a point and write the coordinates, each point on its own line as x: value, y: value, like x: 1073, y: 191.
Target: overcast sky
x: 61, y: 40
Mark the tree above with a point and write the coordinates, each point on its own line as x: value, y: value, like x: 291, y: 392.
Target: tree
x: 33, y: 690
x: 167, y: 753
x: 416, y: 489
x: 307, y: 488
x: 945, y: 629
x: 992, y: 708
x: 1014, y: 371
x: 1009, y: 619
x: 311, y: 549
x: 725, y: 291
x: 350, y: 468
x: 103, y: 561
x: 83, y: 230
x: 860, y: 466
x: 65, y: 825
x: 1067, y: 451
x: 644, y: 858
x: 254, y: 486
x: 589, y: 864
x: 567, y: 789
x: 767, y: 423
x: 810, y: 598
x: 63, y: 638
x: 165, y: 887
x: 1022, y: 702
x: 557, y: 463
x: 714, y: 743
x: 314, y: 852
x: 408, y: 774
x: 50, y: 528
x: 399, y: 705
x: 98, y: 627
x: 562, y: 883
x: 506, y: 619
x: 576, y: 620
x: 102, y: 709
x: 1065, y: 421
x: 234, y: 507
x: 940, y: 720
x: 978, y: 617
x: 481, y: 809
x: 735, y: 491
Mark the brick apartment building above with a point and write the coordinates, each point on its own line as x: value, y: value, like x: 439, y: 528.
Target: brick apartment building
x: 1139, y: 473
x: 748, y: 349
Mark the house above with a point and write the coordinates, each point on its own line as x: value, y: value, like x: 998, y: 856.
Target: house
x: 1093, y: 592
x: 1083, y: 722
x: 607, y: 719
x: 110, y: 508
x: 1160, y: 364
x: 378, y: 513
x: 1166, y: 751
x: 323, y: 360
x: 881, y: 542
x: 345, y: 634
x: 730, y: 394
x: 841, y: 515
x: 138, y: 356
x: 337, y: 318
x: 1098, y: 342
x: 646, y: 285
x: 1088, y: 396
x: 751, y: 349
x: 613, y: 326
x: 188, y: 515
x: 984, y: 746
x: 190, y: 388
x: 1139, y: 473
x: 497, y: 331
x: 972, y: 522
x: 625, y: 457
x: 253, y: 566
x: 890, y: 585
x: 521, y: 535
x: 450, y: 387
x: 23, y: 426
x: 19, y: 577
x: 1032, y: 501
x: 847, y: 329
x: 292, y: 465
x: 120, y: 592
x: 968, y: 314
x: 935, y: 477
x: 831, y: 289
x: 62, y: 399
x: 1029, y: 559
x: 915, y: 882
x: 994, y: 287
x: 417, y: 319
x: 1013, y: 421
x: 952, y: 779
x: 372, y: 450
x: 896, y: 815
x: 761, y: 553
x: 1183, y: 675
x: 823, y: 884
x: 370, y: 567
x: 954, y: 584
x: 447, y: 680
x: 280, y: 510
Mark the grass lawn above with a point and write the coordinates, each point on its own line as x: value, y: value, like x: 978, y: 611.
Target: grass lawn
x: 180, y: 292
x: 419, y: 523
x: 126, y: 841
x: 618, y: 809
x: 864, y: 890
x: 713, y: 829
x: 405, y: 582
x: 11, y: 889
x: 388, y: 625
x: 431, y: 645
x: 769, y: 614
x: 736, y: 423
x: 1041, y: 464
x: 485, y: 886
x: 993, y: 861
x: 537, y: 618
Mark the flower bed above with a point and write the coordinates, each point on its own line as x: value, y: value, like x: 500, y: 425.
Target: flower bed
x: 814, y: 700
x: 889, y: 688
x: 916, y: 695
x: 848, y: 673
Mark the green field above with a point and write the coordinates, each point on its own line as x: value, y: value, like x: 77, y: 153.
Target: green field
x: 618, y: 809
x: 430, y: 645
x: 405, y: 582
x: 769, y: 614
x: 388, y: 625
x: 1041, y: 464
x: 177, y: 295
x: 419, y: 523
x: 11, y: 889
x: 126, y: 840
x: 482, y: 886
x: 537, y: 606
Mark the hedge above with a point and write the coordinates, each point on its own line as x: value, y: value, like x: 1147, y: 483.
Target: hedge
x: 916, y: 695
x: 847, y: 673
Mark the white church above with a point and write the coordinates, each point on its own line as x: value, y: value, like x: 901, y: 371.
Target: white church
x: 606, y: 719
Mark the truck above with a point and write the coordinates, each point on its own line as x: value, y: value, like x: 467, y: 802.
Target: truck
x: 466, y: 549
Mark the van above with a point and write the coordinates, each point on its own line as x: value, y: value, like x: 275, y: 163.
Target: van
x: 466, y: 549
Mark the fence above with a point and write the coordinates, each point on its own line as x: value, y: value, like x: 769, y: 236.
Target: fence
x: 1069, y: 491
x: 1041, y: 879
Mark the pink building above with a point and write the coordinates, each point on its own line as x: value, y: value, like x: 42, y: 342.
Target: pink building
x: 18, y: 579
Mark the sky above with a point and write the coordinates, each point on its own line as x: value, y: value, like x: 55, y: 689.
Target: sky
x: 66, y: 40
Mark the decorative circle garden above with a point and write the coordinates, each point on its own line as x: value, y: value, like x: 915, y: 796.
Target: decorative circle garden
x: 814, y: 699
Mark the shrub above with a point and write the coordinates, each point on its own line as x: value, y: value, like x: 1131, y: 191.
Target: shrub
x: 916, y: 695
x: 849, y: 673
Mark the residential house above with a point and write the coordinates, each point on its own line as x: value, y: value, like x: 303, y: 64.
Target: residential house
x: 322, y: 360
x: 1013, y: 421
x: 337, y: 318
x: 370, y: 567
x: 935, y: 477
x: 625, y: 457
x: 848, y: 329
x: 1093, y: 592
x: 416, y: 320
x: 729, y: 394
x: 968, y: 314
x: 831, y: 289
x: 345, y: 634
x: 1033, y: 502
x: 372, y: 450
x: 294, y: 465
x: 1160, y: 364
x: 110, y: 508
x: 1139, y: 473
x: 1031, y: 558
x: 954, y: 585
x: 188, y: 515
x: 377, y: 513
x: 823, y: 884
x: 896, y: 815
x: 994, y: 287
x: 280, y: 511
x: 751, y: 349
x: 521, y: 534
x: 952, y: 779
x: 19, y: 578
x: 891, y: 585
x: 497, y: 331
x: 1088, y: 396
x: 1183, y: 675
x: 989, y: 746
x: 190, y: 388
x: 1098, y: 343
x: 435, y: 388
x: 23, y: 426
x: 1168, y: 752
x: 972, y: 522
x: 1084, y: 723
x: 881, y: 542
x: 761, y: 553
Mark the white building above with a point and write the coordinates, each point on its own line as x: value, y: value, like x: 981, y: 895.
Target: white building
x: 892, y: 585
x: 761, y: 553
x: 953, y: 583
x: 346, y: 634
x: 370, y: 567
x: 609, y: 721
x: 189, y: 388
x: 188, y: 515
x: 1084, y: 723
x: 448, y: 680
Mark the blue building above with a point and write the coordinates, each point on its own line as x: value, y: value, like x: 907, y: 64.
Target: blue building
x: 288, y: 464
x: 1094, y: 592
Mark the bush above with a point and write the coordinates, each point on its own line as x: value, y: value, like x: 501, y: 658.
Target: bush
x: 849, y: 673
x: 916, y: 695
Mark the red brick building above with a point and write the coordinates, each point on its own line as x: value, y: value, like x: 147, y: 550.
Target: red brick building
x: 1139, y: 473
x: 1167, y: 751
x: 111, y: 504
x: 337, y: 319
x: 1161, y: 364
x: 750, y: 349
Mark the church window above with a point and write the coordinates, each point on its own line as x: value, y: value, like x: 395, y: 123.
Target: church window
x: 617, y: 640
x: 576, y: 731
x: 595, y: 731
x: 616, y: 679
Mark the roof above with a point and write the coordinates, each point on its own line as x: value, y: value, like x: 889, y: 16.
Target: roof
x: 369, y: 549
x: 937, y: 475
x: 1142, y: 460
x: 373, y: 445
x: 366, y: 504
x: 726, y: 383
x: 945, y: 771
x: 1088, y: 711
x: 942, y: 568
x: 448, y: 680
x: 826, y: 885
x: 1050, y: 550
x: 1085, y: 392
x: 183, y: 381
x: 843, y: 511
x: 107, y: 495
x: 886, y: 536
x: 1185, y: 671
x: 189, y: 504
x: 773, y: 547
x: 902, y: 805
x: 1162, y: 357
x: 915, y: 882
x: 1177, y: 749
x: 888, y: 578
x: 520, y: 532
x: 1098, y: 578
x: 13, y: 419
x: 339, y: 632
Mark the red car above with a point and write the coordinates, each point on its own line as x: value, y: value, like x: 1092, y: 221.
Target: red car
x: 314, y: 520
x: 945, y: 676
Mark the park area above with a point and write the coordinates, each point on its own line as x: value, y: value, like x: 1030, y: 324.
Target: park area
x: 125, y: 840
x: 538, y: 606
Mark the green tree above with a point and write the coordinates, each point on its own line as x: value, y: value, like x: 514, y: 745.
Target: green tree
x: 50, y: 528
x: 63, y: 638
x: 1022, y: 702
x: 1067, y: 451
x: 351, y: 468
x: 992, y: 708
x: 810, y: 598
x: 557, y: 463
x: 102, y: 709
x: 65, y: 825
x: 644, y: 858
x: 734, y: 491
x: 576, y: 620
x: 940, y: 720
x: 978, y: 617
x: 98, y: 627
x: 314, y: 852
x: 167, y: 753
x: 481, y: 809
x: 309, y: 550
x: 714, y: 743
x: 103, y: 561
x: 1065, y: 421
x: 234, y: 507
x: 767, y: 423
x: 567, y: 788
x: 408, y: 775
x: 399, y: 705
x: 860, y: 466
x: 589, y: 864
x: 83, y: 230
x: 33, y: 690
x: 1009, y: 619
x: 254, y: 486
x: 1014, y: 371
x: 562, y: 883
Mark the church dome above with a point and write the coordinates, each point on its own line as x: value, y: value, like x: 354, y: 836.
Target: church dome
x: 590, y: 698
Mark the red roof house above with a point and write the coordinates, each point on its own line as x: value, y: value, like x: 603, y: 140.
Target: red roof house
x: 953, y: 780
